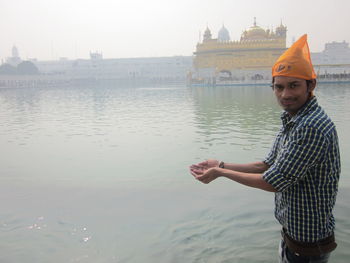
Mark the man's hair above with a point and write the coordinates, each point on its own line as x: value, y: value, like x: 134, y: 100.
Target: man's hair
x: 308, y: 81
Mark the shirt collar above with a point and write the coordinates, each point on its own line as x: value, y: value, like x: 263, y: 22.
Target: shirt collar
x: 309, y: 105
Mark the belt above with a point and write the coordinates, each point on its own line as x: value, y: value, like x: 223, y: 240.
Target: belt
x: 318, y: 248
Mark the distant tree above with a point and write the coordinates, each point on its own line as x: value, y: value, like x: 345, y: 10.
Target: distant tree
x: 27, y: 68
x: 7, y: 69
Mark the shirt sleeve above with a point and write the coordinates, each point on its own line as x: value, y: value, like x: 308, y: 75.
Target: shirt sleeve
x: 304, y: 149
x: 270, y: 159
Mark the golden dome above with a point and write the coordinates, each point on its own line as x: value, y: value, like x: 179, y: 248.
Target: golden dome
x: 255, y: 32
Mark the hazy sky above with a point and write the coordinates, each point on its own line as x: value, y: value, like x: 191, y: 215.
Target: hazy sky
x: 49, y: 29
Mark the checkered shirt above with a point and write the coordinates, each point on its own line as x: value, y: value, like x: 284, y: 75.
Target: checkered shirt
x: 304, y: 168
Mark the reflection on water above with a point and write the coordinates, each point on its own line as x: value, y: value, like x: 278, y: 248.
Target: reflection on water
x: 100, y: 174
x: 246, y: 118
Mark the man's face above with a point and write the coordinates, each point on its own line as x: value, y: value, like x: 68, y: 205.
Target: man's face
x: 292, y: 93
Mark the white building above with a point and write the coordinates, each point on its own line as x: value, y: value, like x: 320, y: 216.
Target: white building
x: 172, y: 69
x: 334, y: 59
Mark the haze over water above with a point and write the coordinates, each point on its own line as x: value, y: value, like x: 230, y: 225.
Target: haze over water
x: 101, y: 174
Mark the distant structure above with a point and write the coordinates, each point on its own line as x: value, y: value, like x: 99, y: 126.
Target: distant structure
x: 14, y: 60
x: 96, y: 56
x: 224, y: 35
x: 333, y: 62
x: 256, y: 50
x: 147, y: 70
x: 15, y: 52
x: 216, y: 61
x: 334, y: 53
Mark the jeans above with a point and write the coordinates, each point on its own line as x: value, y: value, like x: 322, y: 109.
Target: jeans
x: 287, y: 256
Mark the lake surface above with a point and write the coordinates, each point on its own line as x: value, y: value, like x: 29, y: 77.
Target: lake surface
x: 101, y: 174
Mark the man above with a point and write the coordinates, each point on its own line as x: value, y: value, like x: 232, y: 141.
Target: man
x: 302, y: 167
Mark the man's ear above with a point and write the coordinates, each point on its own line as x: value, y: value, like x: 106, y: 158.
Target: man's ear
x: 312, y: 85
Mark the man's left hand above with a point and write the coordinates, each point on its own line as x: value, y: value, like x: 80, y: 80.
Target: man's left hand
x: 203, y: 174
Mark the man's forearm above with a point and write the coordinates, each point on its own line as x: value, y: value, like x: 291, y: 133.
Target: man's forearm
x: 257, y: 167
x: 249, y: 179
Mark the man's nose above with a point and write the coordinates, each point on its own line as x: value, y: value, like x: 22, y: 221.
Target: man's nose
x: 286, y: 93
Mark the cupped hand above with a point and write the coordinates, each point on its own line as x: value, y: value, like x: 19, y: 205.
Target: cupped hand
x: 210, y: 163
x: 204, y: 175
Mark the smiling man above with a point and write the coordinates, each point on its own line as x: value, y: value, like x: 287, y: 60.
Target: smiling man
x: 303, y: 166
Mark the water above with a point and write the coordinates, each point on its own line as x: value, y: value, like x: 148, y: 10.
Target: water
x: 101, y: 174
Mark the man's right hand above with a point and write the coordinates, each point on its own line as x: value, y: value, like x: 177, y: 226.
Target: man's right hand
x: 207, y: 164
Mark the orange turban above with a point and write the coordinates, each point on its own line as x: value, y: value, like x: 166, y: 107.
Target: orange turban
x: 295, y: 61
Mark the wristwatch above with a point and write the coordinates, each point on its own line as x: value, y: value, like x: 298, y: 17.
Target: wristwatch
x: 222, y: 165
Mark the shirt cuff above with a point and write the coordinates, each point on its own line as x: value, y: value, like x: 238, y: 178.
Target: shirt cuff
x: 273, y: 177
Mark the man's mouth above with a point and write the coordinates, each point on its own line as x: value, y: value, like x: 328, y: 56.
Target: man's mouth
x: 287, y: 102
